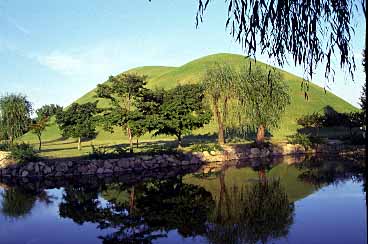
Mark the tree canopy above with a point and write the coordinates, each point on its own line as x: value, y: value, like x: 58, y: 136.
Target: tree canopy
x: 78, y: 121
x: 265, y: 97
x: 219, y: 84
x: 48, y: 110
x: 182, y: 110
x: 121, y: 91
x: 15, y: 112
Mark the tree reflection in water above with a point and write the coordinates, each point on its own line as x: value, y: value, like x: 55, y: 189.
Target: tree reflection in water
x: 250, y: 214
x: 18, y: 203
x: 145, y: 212
x: 320, y: 172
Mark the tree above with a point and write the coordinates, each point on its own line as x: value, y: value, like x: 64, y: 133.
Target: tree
x: 308, y: 31
x: 314, y: 120
x: 363, y: 98
x: 138, y: 124
x: 218, y: 84
x: 182, y: 111
x: 265, y: 97
x: 78, y: 121
x: 121, y: 90
x: 15, y: 113
x: 48, y: 110
x: 38, y: 126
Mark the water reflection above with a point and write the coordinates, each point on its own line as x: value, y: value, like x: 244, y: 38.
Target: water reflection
x: 17, y: 202
x: 244, y: 204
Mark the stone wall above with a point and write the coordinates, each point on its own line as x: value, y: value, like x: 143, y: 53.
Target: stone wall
x: 67, y: 168
x: 96, y: 167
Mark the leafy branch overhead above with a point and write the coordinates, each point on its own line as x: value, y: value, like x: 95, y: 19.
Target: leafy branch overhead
x: 311, y: 32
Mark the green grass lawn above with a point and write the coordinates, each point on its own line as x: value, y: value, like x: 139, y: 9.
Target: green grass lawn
x: 192, y: 72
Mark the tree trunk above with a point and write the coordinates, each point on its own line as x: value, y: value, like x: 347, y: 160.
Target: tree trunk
x: 79, y: 144
x: 179, y: 140
x: 130, y: 140
x: 260, y: 134
x: 220, y: 137
x: 137, y: 142
x: 40, y: 142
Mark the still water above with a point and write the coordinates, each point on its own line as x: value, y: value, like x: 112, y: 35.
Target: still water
x: 311, y: 201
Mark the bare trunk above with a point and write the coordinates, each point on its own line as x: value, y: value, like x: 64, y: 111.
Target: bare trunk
x: 260, y: 134
x: 79, y: 143
x: 179, y: 140
x: 40, y: 142
x: 137, y: 142
x: 220, y: 137
x: 132, y: 200
x: 130, y: 140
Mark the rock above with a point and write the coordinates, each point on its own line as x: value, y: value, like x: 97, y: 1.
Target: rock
x: 146, y: 157
x: 264, y: 152
x: 118, y: 169
x: 61, y: 167
x: 100, y: 171
x: 185, y: 162
x: 213, y: 153
x: 58, y: 174
x: 30, y: 166
x: 36, y: 168
x: 195, y: 160
x: 83, y: 169
x: 108, y: 165
x: 255, y: 152
x: 108, y: 171
x: 123, y: 163
x: 206, y: 154
x: 70, y: 163
x: 24, y: 173
x: 92, y: 168
x: 47, y: 170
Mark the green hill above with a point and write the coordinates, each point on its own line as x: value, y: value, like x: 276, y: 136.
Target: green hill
x: 192, y: 72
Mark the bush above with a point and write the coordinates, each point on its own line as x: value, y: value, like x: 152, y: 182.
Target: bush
x: 301, y: 139
x: 4, y: 146
x: 357, y: 139
x: 105, y: 152
x: 316, y: 140
x: 206, y: 147
x: 22, y: 152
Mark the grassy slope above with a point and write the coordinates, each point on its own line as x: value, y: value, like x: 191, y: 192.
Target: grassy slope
x: 168, y: 77
x: 287, y: 174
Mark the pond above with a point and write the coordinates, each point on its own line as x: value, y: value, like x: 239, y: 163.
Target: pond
x: 316, y: 200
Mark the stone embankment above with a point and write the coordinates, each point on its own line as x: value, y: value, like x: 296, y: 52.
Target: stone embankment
x: 67, y: 168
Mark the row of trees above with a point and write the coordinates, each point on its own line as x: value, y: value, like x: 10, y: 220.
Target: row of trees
x: 236, y: 98
x: 137, y: 110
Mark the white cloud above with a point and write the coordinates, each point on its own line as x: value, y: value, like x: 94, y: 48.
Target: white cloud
x: 63, y: 63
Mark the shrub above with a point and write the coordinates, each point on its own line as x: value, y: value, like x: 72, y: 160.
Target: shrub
x: 104, y: 152
x: 201, y: 147
x: 22, y: 152
x: 302, y: 139
x: 4, y: 146
x: 357, y: 139
x: 315, y: 140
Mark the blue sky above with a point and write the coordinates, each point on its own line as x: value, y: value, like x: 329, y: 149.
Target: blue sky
x: 55, y: 51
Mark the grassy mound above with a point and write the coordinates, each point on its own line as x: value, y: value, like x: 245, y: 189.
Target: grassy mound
x: 192, y: 72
